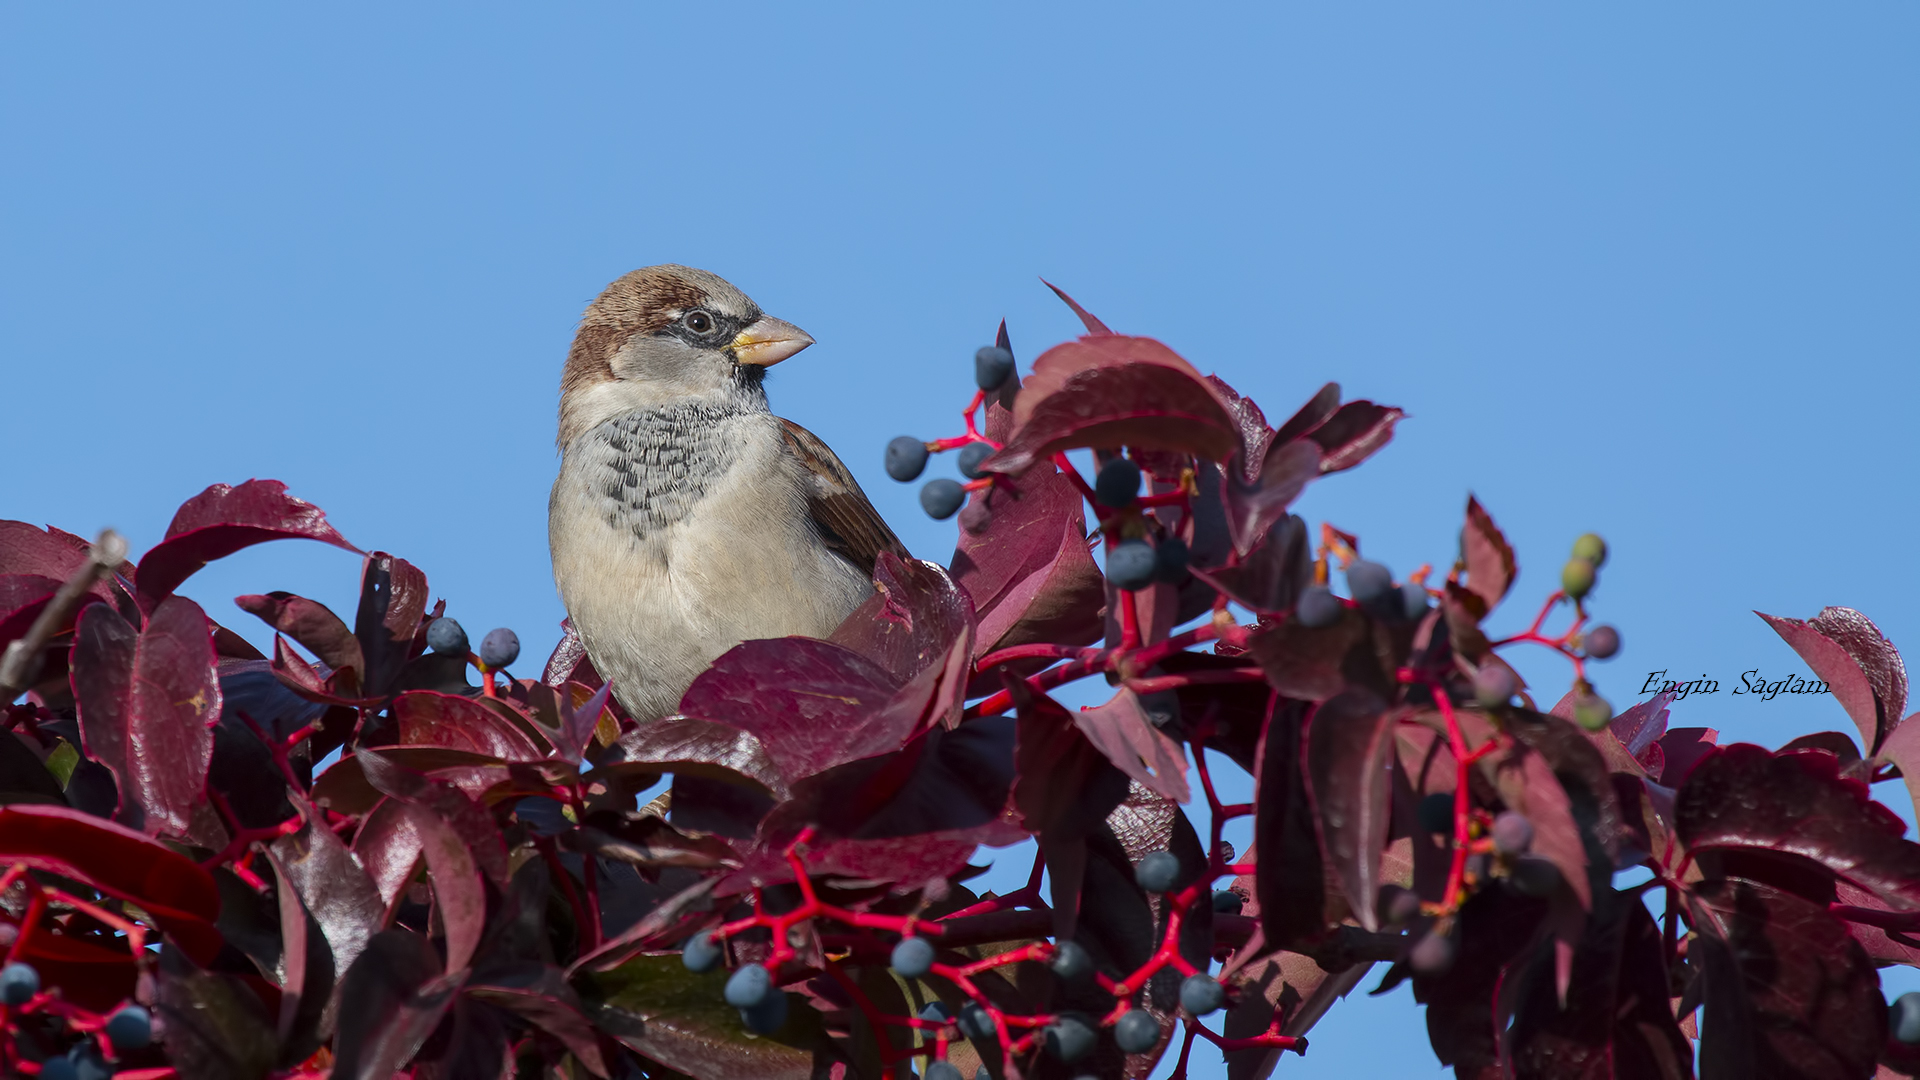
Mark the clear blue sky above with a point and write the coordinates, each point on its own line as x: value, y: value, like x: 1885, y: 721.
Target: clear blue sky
x: 1651, y: 270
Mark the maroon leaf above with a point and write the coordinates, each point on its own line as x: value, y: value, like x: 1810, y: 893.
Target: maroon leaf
x: 1058, y: 767
x: 1112, y: 390
x: 147, y: 701
x: 1255, y: 435
x: 334, y: 887
x: 390, y: 1001
x: 311, y: 624
x: 306, y: 966
x: 1305, y: 663
x: 1788, y: 992
x: 22, y: 596
x: 118, y: 861
x: 215, y: 1027
x: 702, y: 748
x: 1349, y: 781
x: 1866, y: 697
x: 1121, y: 730
x: 1741, y: 797
x: 1680, y: 750
x: 429, y: 718
x: 1093, y: 325
x: 1616, y: 1023
x: 1528, y: 785
x: 568, y: 662
x: 578, y: 725
x: 389, y: 846
x: 1030, y: 575
x: 393, y: 599
x: 293, y: 672
x: 222, y: 520
x: 1270, y: 579
x: 459, y: 897
x: 46, y: 553
x: 470, y: 823
x: 812, y: 704
x: 1317, y: 411
x: 1253, y: 507
x: 540, y: 994
x: 1490, y: 565
x: 1639, y: 729
x: 1497, y: 931
x: 1353, y: 433
x: 1288, y: 874
x: 907, y: 625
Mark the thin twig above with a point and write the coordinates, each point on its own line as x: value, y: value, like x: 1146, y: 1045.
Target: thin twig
x: 20, y: 664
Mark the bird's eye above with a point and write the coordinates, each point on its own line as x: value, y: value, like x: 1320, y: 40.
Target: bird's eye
x: 699, y: 322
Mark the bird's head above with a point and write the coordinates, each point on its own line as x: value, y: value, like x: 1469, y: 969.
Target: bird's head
x: 665, y: 335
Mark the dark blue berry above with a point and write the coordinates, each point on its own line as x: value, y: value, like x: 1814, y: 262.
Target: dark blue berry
x: 1368, y: 582
x: 130, y: 1029
x: 1436, y: 813
x: 975, y: 1023
x: 1071, y: 962
x: 1494, y: 685
x: 58, y: 1069
x: 991, y: 367
x: 701, y: 953
x: 1136, y: 1031
x: 1318, y: 607
x: 1170, y: 557
x: 1601, y: 642
x: 981, y: 1073
x: 1069, y: 1038
x: 1228, y: 902
x: 499, y: 648
x: 1904, y: 1018
x: 767, y: 1017
x: 1531, y: 875
x: 18, y: 983
x: 1130, y: 565
x: 749, y: 986
x: 1433, y: 955
x: 940, y: 1070
x: 1118, y: 485
x: 448, y: 637
x: 1512, y: 833
x: 1413, y: 600
x: 906, y: 458
x: 913, y: 957
x: 940, y: 498
x: 1158, y: 871
x: 971, y: 456
x: 1201, y: 994
x: 87, y: 1063
x: 937, y: 1012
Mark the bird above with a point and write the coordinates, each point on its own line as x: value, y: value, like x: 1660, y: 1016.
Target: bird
x: 687, y: 517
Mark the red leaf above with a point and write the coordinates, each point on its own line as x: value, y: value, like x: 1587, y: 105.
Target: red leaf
x: 1063, y: 784
x: 1253, y: 507
x: 1120, y: 730
x: 222, y: 520
x: 1742, y: 797
x: 1680, y: 750
x: 1093, y: 325
x: 310, y: 623
x: 1268, y: 580
x: 147, y: 701
x: 1855, y: 690
x: 915, y: 613
x: 22, y: 596
x: 1349, y: 784
x: 1353, y: 433
x: 388, y: 846
x: 121, y: 862
x: 390, y: 1001
x: 393, y: 600
x: 1789, y: 993
x: 1528, y: 785
x: 539, y: 992
x: 1255, y: 435
x: 1107, y: 391
x: 430, y: 718
x: 470, y: 822
x: 1490, y: 565
x: 1303, y: 662
x: 46, y: 553
x: 334, y: 887
x: 577, y: 725
x: 703, y: 748
x: 459, y: 898
x: 1288, y: 870
x: 1029, y: 575
x: 568, y: 662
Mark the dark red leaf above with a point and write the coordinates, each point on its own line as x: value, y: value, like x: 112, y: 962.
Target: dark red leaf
x: 389, y: 846
x: 459, y: 897
x: 1680, y: 750
x: 1851, y: 685
x: 222, y: 520
x: 1639, y: 729
x: 1255, y: 435
x: 568, y: 662
x: 1121, y: 730
x: 310, y: 623
x: 393, y: 599
x: 1616, y: 1023
x: 1353, y: 433
x: 47, y: 553
x: 1318, y: 410
x: 1874, y: 654
x: 1253, y: 507
x: 913, y: 617
x: 1305, y: 663
x: 121, y: 862
x: 334, y: 888
x: 578, y: 725
x: 1030, y: 575
x: 147, y: 701
x: 215, y: 1026
x: 1270, y: 579
x: 1063, y: 783
x: 427, y: 718
x: 812, y: 704
x: 305, y: 680
x: 1490, y: 565
x: 1112, y: 390
x: 1742, y: 797
x: 1496, y: 930
x: 390, y: 1001
x: 470, y: 823
x: 1093, y: 325
x: 306, y: 967
x: 1788, y: 992
x: 1289, y: 873
x: 1349, y: 779
x: 1527, y: 784
x: 539, y: 993
x: 22, y: 596
x: 703, y: 748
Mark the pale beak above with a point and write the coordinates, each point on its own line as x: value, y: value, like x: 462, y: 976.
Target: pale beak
x: 769, y: 341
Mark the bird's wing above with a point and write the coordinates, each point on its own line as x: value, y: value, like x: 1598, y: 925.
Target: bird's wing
x: 848, y: 523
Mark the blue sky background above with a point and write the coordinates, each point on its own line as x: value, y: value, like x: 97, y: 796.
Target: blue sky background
x: 1647, y: 270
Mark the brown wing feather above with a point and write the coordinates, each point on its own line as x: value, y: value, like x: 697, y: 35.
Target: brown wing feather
x: 848, y: 523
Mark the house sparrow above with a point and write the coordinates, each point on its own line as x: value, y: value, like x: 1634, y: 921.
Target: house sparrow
x: 687, y: 517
